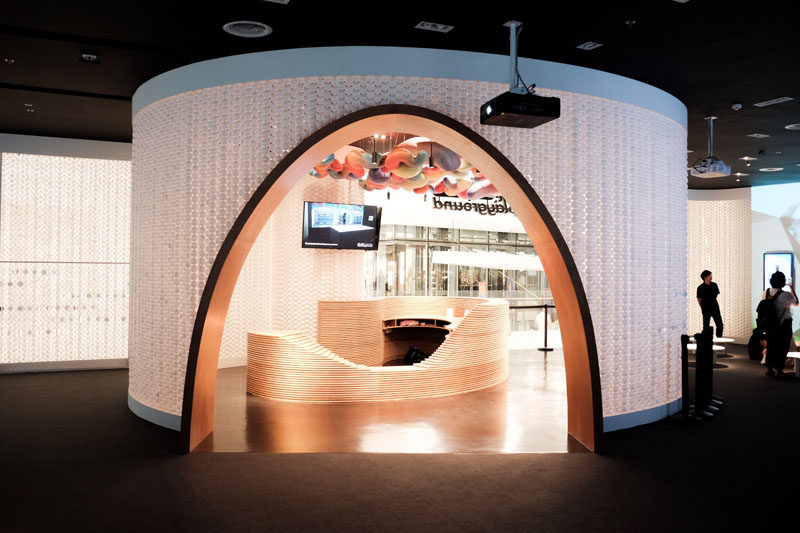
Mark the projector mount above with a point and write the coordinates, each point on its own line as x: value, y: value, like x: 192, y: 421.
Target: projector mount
x: 519, y: 107
x: 710, y: 166
x: 516, y: 84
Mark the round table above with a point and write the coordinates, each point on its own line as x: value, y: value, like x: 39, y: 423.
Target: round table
x: 717, y: 350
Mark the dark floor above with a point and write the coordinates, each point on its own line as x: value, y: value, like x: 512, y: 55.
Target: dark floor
x: 73, y: 458
x: 527, y: 413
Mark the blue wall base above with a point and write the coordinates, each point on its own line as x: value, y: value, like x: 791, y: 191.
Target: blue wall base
x: 160, y: 418
x: 637, y: 418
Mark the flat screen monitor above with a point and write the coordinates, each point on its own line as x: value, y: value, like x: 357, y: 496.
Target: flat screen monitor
x: 778, y: 261
x: 341, y: 226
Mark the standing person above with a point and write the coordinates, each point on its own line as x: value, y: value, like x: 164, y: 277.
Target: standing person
x: 707, y: 298
x: 778, y: 338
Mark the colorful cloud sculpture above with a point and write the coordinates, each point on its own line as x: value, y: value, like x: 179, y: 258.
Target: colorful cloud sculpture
x: 417, y: 164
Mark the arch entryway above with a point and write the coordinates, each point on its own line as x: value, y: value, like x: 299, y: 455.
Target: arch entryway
x: 585, y: 413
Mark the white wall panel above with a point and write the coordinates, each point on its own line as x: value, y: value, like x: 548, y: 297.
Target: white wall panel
x: 64, y: 248
x: 720, y: 225
x: 281, y: 282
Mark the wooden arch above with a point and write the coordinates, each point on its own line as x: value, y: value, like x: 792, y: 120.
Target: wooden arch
x: 584, y: 403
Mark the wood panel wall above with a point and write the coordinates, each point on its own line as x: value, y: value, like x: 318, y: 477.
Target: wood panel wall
x: 354, y: 329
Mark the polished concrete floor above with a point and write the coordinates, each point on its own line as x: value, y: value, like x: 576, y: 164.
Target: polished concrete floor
x: 527, y: 413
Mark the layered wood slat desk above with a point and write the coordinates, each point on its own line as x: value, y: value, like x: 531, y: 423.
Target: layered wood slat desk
x: 469, y: 351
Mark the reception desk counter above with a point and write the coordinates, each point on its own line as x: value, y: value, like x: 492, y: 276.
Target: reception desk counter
x: 469, y: 351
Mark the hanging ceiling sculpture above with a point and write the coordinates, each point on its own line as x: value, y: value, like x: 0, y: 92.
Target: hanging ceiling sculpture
x: 417, y: 164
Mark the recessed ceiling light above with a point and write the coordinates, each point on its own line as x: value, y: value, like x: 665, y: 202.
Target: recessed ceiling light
x: 433, y: 26
x: 30, y: 109
x: 774, y: 101
x: 748, y: 158
x: 88, y: 57
x: 741, y: 174
x: 28, y: 105
x: 770, y: 169
x: 589, y: 45
x: 758, y: 135
x: 793, y: 127
x: 8, y: 60
x: 247, y: 28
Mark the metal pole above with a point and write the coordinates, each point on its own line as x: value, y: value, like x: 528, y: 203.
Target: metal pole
x: 545, y: 349
x: 710, y: 120
x: 513, y: 79
x: 684, y: 377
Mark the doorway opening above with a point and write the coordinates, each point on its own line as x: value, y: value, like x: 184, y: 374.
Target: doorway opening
x: 427, y: 271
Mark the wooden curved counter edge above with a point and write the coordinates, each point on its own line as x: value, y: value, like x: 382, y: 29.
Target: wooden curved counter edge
x: 289, y: 365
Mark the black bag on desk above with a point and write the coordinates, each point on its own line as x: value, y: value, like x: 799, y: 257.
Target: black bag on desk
x: 415, y: 355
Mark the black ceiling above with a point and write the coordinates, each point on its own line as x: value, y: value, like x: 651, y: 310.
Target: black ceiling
x: 709, y: 54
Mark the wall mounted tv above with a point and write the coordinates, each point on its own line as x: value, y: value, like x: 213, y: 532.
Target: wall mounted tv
x: 341, y: 226
x: 778, y: 261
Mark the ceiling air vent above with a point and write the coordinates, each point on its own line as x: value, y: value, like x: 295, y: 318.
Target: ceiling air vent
x: 433, y: 26
x: 589, y: 45
x: 247, y: 28
x: 774, y: 101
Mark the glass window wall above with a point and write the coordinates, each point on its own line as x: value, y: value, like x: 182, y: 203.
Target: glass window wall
x: 404, y: 265
x: 407, y: 264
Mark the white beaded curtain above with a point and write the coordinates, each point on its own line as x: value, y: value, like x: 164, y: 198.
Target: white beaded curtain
x: 64, y: 250
x: 719, y: 240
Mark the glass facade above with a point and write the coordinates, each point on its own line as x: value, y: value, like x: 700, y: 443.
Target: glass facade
x: 405, y: 264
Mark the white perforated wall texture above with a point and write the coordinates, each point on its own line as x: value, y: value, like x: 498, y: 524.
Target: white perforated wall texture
x: 64, y: 249
x: 611, y: 174
x: 719, y: 240
x: 281, y: 282
x: 249, y: 309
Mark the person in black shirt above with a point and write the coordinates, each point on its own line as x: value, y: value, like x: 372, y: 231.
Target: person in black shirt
x: 707, y: 298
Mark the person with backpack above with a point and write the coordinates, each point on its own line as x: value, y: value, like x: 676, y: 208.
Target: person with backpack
x: 775, y: 320
x: 707, y: 298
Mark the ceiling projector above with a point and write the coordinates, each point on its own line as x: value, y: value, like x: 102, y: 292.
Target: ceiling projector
x: 710, y: 167
x: 520, y: 110
x: 520, y: 107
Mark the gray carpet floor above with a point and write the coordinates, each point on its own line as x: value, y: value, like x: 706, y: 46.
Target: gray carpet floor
x: 73, y: 458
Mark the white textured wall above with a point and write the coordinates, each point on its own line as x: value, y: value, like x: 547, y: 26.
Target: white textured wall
x: 612, y: 174
x: 249, y: 309
x: 64, y: 248
x: 719, y: 230
x: 281, y: 282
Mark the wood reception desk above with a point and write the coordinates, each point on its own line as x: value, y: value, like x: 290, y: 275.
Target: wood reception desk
x: 469, y: 351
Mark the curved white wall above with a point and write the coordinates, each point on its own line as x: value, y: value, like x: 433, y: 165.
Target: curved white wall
x: 720, y: 224
x: 611, y: 173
